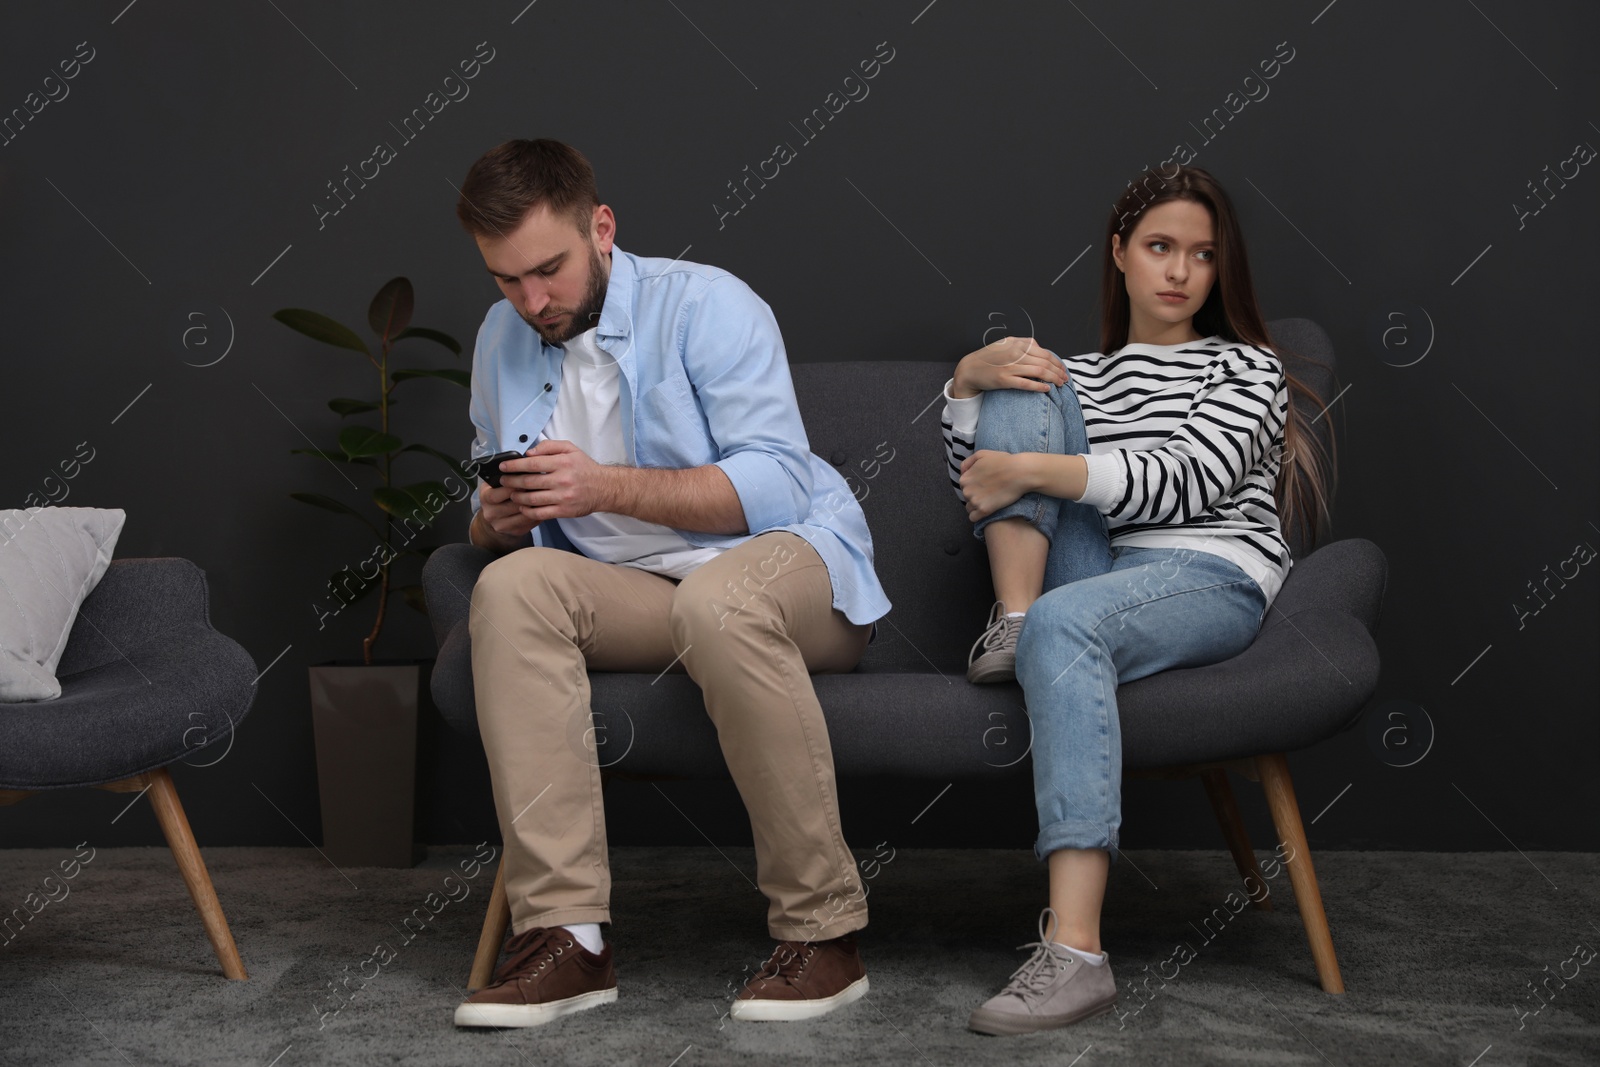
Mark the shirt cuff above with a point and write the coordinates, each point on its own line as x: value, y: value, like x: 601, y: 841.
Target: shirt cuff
x: 1107, y: 483
x: 763, y: 487
x: 963, y: 411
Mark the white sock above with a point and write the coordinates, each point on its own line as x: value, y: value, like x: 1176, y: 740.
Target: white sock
x: 587, y: 935
x: 1015, y: 614
x: 1093, y: 960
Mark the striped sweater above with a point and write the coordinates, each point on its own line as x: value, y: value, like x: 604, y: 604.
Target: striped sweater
x: 1184, y: 446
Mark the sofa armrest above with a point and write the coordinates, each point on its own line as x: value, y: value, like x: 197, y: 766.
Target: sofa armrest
x: 1303, y: 680
x: 447, y: 580
x: 134, y: 599
x: 1349, y: 576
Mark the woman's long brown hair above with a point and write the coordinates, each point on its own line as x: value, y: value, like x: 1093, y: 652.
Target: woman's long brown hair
x: 1232, y: 313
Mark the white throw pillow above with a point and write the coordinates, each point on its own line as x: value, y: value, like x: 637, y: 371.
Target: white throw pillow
x: 50, y: 559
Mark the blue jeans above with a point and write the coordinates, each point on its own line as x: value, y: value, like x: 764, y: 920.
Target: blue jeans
x: 1108, y: 615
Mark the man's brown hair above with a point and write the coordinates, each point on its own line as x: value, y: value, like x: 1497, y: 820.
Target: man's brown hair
x: 512, y: 179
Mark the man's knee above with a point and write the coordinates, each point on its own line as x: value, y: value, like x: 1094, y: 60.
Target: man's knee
x: 732, y: 589
x: 527, y: 575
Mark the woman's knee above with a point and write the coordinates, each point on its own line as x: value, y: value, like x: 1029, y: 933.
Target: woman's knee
x: 1055, y: 618
x: 1029, y: 420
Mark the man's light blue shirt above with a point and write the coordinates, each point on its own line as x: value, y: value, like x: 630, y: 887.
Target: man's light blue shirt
x: 704, y: 379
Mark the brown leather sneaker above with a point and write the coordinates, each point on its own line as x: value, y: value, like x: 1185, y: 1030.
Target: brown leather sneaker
x: 546, y: 975
x: 802, y: 980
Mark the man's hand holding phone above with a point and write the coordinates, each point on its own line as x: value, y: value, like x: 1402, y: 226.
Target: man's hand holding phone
x: 553, y: 479
x: 559, y: 480
x: 503, y: 518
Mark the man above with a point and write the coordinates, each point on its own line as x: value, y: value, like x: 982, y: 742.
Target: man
x: 667, y: 515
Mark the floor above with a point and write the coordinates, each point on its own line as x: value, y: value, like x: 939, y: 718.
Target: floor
x: 1439, y: 953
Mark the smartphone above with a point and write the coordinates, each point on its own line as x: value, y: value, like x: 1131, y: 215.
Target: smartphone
x: 489, y: 466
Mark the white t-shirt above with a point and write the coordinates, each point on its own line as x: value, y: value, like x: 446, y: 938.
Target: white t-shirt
x: 588, y: 413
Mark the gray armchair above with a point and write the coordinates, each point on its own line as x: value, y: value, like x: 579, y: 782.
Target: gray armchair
x: 908, y: 710
x: 145, y: 682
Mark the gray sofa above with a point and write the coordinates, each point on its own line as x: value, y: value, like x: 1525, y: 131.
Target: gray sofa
x: 908, y: 709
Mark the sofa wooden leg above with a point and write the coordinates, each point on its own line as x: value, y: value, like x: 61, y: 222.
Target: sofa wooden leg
x: 495, y: 923
x: 1233, y: 831
x: 175, y: 825
x: 1275, y: 781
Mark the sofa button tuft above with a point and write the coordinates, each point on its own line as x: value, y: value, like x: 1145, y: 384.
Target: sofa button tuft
x: 951, y: 548
x: 837, y: 459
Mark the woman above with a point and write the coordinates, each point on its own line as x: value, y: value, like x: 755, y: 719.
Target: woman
x: 1132, y: 524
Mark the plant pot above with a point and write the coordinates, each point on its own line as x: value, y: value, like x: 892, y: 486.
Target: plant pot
x: 365, y: 721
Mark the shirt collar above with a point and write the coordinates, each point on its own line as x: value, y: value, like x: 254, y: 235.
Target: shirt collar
x: 616, y: 317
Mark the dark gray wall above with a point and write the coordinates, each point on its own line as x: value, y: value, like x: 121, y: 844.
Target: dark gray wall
x: 1379, y: 180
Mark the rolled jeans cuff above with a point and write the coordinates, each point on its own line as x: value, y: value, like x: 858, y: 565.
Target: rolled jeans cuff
x: 1041, y: 512
x: 1075, y: 833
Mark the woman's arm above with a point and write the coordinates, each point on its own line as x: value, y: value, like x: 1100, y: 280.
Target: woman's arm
x: 990, y: 480
x: 958, y: 425
x: 1010, y: 363
x: 1232, y: 425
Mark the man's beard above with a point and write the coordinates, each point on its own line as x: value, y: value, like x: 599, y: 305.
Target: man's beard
x: 585, y: 317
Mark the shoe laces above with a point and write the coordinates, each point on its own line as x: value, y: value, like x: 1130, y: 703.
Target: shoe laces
x: 787, y: 962
x: 530, y: 952
x: 998, y: 632
x: 1043, y: 967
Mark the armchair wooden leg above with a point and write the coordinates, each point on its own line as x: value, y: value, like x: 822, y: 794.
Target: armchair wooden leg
x: 175, y: 825
x: 1275, y: 781
x: 495, y: 923
x: 1233, y: 831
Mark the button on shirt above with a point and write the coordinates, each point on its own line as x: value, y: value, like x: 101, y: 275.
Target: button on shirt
x: 590, y: 416
x: 702, y: 378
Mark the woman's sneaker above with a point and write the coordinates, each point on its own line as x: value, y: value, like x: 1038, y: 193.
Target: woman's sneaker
x: 1054, y: 988
x: 994, y: 654
x: 546, y: 975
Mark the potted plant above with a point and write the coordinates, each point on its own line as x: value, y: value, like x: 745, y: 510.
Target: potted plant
x: 365, y: 713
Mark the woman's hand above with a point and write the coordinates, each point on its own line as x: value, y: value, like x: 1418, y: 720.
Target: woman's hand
x: 1009, y: 363
x: 990, y: 480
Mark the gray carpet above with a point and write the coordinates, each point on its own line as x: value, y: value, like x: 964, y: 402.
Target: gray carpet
x: 1436, y: 949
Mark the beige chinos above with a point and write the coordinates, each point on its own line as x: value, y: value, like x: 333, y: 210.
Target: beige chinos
x: 749, y: 626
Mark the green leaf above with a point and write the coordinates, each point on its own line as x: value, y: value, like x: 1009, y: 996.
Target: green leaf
x: 460, y: 377
x: 430, y: 335
x: 410, y: 501
x: 332, y: 457
x: 320, y: 328
x: 423, y: 490
x: 390, y: 312
x: 456, y: 467
x: 400, y: 504
x: 414, y: 598
x: 327, y: 503
x: 345, y: 406
x: 365, y: 441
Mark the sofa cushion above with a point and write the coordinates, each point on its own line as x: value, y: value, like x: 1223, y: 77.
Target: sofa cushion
x: 50, y: 559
